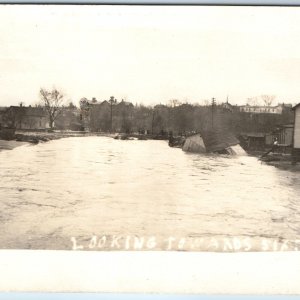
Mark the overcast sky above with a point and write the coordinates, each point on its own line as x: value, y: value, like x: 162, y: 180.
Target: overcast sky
x: 149, y: 54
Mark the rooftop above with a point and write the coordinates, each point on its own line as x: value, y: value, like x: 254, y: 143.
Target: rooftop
x: 29, y: 111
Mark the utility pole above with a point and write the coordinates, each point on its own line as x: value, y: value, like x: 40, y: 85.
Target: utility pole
x: 112, y: 100
x: 213, y: 104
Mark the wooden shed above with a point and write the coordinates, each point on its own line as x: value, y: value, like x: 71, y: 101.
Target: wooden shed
x: 217, y: 141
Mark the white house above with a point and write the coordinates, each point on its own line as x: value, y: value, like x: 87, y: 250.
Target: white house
x: 296, y: 135
x: 263, y: 109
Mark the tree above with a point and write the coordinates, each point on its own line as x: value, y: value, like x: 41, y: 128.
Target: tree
x: 268, y: 99
x: 53, y: 103
x: 253, y: 101
x: 206, y: 102
x: 174, y: 102
x: 71, y: 105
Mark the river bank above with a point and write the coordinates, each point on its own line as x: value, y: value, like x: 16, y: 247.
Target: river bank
x: 35, y: 137
x: 281, y: 161
x: 42, y: 136
x: 10, y: 145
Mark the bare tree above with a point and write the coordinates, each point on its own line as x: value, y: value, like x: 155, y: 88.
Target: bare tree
x: 206, y: 102
x: 53, y: 103
x: 268, y: 99
x: 253, y: 101
x: 174, y: 102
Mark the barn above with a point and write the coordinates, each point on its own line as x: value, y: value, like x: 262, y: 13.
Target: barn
x: 296, y: 135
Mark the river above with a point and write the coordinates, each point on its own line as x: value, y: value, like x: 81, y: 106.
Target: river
x: 100, y: 193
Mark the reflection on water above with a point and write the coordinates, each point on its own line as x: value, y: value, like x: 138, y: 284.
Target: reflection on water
x: 97, y: 185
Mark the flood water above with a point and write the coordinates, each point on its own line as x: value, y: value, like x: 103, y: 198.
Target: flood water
x: 101, y: 188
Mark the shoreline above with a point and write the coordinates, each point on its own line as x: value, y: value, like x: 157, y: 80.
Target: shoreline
x: 41, y: 136
x: 10, y: 145
x: 35, y: 137
x: 287, y: 165
x: 283, y: 162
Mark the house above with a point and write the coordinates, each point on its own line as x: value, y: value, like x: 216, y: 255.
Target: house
x: 296, y: 133
x: 226, y: 106
x: 100, y: 116
x: 106, y: 115
x: 5, y: 132
x: 29, y: 118
x: 123, y: 116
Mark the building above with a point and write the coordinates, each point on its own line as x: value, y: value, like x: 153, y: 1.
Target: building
x: 260, y: 109
x: 96, y: 116
x: 285, y: 134
x: 226, y: 106
x: 270, y: 138
x: 296, y: 134
x: 5, y: 132
x: 68, y: 119
x: 2, y: 115
x: 28, y: 118
x: 123, y: 113
x: 194, y: 143
x: 218, y: 141
x: 107, y: 115
x: 253, y: 140
x: 100, y: 116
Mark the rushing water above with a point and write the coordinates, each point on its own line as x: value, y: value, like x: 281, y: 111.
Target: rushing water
x: 97, y: 186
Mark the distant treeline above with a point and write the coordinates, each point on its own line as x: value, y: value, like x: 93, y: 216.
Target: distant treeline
x: 182, y: 119
x: 176, y: 119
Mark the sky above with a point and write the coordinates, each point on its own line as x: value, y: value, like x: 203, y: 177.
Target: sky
x: 149, y: 54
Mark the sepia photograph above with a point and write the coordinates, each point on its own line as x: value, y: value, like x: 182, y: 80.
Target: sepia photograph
x: 149, y: 128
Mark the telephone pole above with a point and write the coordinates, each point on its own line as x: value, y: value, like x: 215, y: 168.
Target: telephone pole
x: 213, y: 104
x: 112, y: 100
